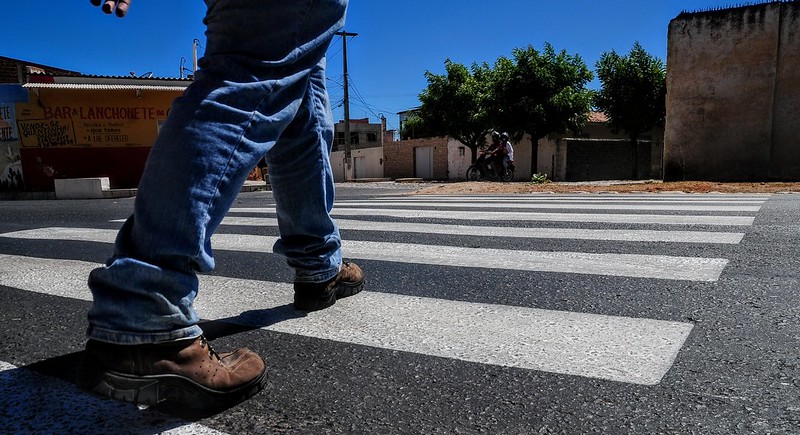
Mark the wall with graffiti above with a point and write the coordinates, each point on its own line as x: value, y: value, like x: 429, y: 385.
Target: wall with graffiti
x: 11, y: 178
x: 69, y: 133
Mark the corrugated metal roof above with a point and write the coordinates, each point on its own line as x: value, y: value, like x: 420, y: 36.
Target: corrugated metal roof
x: 53, y: 81
x: 106, y: 87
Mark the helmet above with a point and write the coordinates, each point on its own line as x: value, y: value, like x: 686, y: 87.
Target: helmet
x: 504, y: 136
x: 495, y: 135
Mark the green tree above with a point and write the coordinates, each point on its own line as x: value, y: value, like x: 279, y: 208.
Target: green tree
x: 633, y: 93
x: 456, y: 104
x: 541, y: 92
x: 533, y: 92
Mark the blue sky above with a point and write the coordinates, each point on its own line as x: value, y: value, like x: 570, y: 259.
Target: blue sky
x: 398, y: 40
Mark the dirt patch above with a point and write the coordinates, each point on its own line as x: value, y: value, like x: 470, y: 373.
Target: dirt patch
x: 480, y: 187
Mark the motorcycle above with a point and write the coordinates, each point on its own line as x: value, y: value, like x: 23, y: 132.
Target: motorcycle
x: 484, y: 169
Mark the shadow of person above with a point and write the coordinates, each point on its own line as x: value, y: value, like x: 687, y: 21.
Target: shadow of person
x: 66, y: 367
x: 248, y: 321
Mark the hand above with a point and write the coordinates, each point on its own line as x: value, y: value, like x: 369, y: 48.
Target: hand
x: 118, y: 6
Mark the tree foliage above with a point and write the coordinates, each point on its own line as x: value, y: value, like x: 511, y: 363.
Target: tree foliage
x: 456, y: 104
x: 532, y: 92
x: 541, y: 92
x: 633, y: 93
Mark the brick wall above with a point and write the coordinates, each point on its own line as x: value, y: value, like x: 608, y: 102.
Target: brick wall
x: 9, y: 69
x: 399, y: 157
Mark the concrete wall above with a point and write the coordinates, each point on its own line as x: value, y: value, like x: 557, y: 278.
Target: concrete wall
x: 451, y: 158
x: 732, y: 94
x: 364, y: 163
x: 459, y: 158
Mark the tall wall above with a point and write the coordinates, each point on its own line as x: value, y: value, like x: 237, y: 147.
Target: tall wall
x: 733, y: 94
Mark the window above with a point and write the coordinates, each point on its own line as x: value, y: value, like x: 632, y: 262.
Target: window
x: 372, y: 137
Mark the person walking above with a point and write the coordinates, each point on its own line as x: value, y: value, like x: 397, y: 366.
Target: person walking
x: 259, y: 93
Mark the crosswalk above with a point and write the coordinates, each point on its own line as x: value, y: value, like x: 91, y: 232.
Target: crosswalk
x: 618, y: 348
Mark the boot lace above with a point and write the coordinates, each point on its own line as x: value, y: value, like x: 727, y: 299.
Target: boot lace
x: 204, y: 343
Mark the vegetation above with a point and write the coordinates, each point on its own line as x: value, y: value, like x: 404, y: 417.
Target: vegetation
x: 633, y: 94
x: 457, y: 104
x: 539, y: 179
x: 539, y: 93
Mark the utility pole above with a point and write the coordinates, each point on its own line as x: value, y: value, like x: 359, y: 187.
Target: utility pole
x: 344, y: 36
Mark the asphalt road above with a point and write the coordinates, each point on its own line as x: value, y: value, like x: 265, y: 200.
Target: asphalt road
x: 528, y: 314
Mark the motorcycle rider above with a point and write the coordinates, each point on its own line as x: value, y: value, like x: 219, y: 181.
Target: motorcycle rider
x: 508, y: 157
x: 497, y: 152
x: 487, y: 158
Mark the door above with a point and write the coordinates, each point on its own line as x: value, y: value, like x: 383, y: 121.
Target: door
x: 423, y: 162
x: 359, y: 167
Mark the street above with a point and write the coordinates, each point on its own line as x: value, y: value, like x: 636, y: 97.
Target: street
x: 664, y: 313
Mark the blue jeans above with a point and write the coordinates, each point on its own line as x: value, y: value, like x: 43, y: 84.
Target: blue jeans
x: 260, y: 92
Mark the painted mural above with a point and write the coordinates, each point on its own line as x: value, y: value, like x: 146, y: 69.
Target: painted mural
x: 11, y: 178
x: 70, y: 133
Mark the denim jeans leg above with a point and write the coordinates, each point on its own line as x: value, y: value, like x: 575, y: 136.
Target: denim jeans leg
x: 258, y: 89
x: 309, y: 238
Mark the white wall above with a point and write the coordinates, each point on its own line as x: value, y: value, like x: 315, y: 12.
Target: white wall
x: 370, y: 167
x: 459, y: 158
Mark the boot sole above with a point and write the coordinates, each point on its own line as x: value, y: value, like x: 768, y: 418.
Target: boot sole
x: 154, y: 389
x: 341, y: 290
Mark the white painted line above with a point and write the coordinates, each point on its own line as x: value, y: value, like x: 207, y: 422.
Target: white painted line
x: 35, y: 403
x: 665, y: 196
x: 488, y: 216
x: 603, y: 198
x: 576, y: 199
x: 537, y: 233
x: 616, y: 348
x: 607, y: 264
x: 556, y: 206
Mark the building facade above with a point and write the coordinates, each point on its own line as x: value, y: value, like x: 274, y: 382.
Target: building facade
x: 67, y: 125
x: 733, y: 94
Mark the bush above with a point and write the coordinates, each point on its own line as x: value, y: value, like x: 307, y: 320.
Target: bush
x: 539, y: 179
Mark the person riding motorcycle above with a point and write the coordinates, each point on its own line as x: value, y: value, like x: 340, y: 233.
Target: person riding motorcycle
x: 487, y: 158
x: 497, y: 152
x: 508, y: 157
x: 493, y: 157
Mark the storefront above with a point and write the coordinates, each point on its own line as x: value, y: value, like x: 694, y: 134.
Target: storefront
x: 82, y: 126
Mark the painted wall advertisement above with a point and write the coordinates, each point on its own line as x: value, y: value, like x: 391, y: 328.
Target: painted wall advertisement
x: 119, y: 123
x: 71, y: 133
x: 10, y: 161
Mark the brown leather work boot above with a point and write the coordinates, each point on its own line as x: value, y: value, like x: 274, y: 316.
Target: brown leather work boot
x: 313, y: 296
x: 186, y: 372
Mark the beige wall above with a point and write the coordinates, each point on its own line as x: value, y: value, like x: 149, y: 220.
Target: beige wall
x: 732, y: 94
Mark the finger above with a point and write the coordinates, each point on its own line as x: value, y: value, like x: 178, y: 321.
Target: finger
x: 109, y: 6
x: 122, y: 7
x: 97, y: 2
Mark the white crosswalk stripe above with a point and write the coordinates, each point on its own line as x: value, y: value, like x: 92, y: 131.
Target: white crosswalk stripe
x: 632, y: 265
x: 550, y: 205
x: 623, y: 349
x: 493, y: 216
